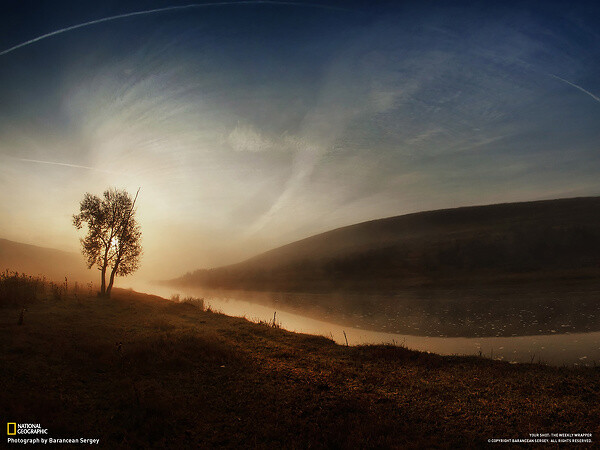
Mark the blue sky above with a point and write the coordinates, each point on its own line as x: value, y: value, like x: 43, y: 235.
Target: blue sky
x: 252, y: 125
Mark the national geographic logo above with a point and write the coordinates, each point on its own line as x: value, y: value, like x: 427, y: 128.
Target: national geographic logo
x: 31, y: 433
x: 13, y: 428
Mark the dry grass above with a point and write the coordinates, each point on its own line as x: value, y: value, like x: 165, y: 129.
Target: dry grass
x: 140, y: 371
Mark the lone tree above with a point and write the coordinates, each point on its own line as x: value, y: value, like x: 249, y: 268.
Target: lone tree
x: 113, y: 238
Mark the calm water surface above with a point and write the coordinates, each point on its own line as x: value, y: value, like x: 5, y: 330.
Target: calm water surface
x: 558, y: 346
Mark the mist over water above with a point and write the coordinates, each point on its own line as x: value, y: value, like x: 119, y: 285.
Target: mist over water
x: 565, y: 345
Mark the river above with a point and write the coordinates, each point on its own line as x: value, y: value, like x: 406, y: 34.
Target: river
x: 558, y: 345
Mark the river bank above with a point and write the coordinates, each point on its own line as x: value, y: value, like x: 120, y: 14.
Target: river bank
x: 138, y: 370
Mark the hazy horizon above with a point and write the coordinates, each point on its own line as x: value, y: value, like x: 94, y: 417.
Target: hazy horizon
x: 254, y: 125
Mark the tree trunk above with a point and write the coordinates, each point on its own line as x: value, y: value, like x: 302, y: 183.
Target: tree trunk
x: 103, y: 282
x: 112, y: 278
x: 104, y: 266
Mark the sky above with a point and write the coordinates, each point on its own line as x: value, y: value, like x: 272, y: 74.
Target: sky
x: 251, y: 125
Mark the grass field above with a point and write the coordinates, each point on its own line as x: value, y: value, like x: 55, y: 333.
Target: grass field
x: 185, y: 377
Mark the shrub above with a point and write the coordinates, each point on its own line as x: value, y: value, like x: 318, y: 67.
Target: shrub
x: 18, y: 289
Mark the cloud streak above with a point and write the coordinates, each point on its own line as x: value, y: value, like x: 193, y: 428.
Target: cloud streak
x: 576, y: 87
x: 76, y: 166
x: 161, y: 10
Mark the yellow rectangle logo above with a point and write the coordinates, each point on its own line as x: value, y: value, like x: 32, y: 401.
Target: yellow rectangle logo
x: 12, y: 425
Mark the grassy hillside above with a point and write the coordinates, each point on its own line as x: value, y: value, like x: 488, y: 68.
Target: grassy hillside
x: 184, y: 377
x: 515, y: 241
x: 54, y: 264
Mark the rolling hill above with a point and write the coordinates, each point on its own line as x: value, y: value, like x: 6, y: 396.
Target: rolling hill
x: 481, y: 244
x: 51, y: 263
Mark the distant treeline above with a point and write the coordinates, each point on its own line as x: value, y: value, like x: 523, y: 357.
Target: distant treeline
x: 541, y: 239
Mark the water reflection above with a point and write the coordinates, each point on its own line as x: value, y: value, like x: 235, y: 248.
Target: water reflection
x: 557, y: 329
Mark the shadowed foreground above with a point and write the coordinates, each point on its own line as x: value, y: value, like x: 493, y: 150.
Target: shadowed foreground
x: 187, y: 377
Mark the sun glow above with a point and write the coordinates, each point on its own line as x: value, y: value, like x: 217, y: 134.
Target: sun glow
x: 114, y: 245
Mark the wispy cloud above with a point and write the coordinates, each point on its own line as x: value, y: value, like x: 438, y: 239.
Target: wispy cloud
x: 244, y: 138
x: 62, y: 164
x: 162, y: 10
x: 585, y: 91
